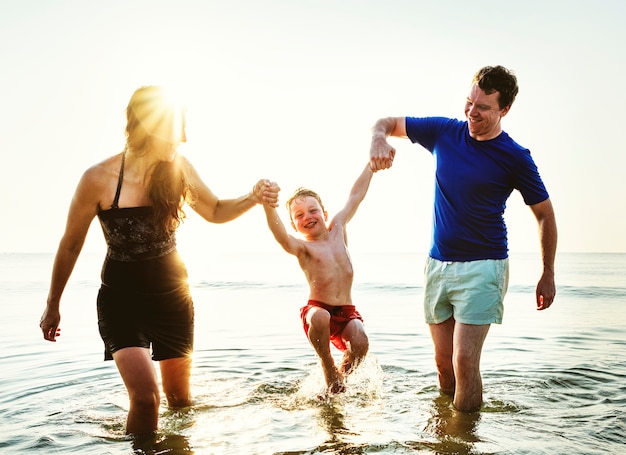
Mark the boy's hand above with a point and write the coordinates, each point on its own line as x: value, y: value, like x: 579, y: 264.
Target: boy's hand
x: 266, y: 192
x: 270, y: 194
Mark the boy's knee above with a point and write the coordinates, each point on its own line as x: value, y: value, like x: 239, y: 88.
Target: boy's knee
x: 357, y: 345
x: 361, y: 344
x: 319, y: 318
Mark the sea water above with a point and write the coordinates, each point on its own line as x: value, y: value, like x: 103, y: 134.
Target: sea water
x: 554, y: 381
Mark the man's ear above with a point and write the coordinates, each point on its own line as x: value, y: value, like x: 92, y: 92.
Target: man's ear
x: 325, y: 216
x: 505, y: 111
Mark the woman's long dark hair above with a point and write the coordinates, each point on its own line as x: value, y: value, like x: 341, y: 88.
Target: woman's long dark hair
x: 151, y: 116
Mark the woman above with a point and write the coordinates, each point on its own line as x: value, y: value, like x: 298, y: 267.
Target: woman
x: 144, y: 300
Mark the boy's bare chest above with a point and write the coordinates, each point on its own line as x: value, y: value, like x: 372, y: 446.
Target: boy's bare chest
x: 328, y: 254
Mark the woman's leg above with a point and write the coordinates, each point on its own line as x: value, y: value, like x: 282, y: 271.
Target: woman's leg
x: 176, y: 375
x: 139, y: 376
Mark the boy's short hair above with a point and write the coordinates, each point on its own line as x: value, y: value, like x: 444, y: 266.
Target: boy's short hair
x: 301, y: 193
x: 493, y: 79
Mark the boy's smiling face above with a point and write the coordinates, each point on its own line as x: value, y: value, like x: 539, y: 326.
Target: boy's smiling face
x: 307, y: 216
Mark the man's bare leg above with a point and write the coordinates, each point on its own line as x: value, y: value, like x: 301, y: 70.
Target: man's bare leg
x: 443, y: 340
x: 468, y: 345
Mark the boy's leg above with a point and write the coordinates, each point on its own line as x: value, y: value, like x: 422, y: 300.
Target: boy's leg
x: 318, y: 320
x: 357, y: 344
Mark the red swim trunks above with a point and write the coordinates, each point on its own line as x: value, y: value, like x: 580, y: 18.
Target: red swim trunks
x: 339, y: 318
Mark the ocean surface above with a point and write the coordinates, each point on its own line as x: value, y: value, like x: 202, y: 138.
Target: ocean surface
x: 554, y: 381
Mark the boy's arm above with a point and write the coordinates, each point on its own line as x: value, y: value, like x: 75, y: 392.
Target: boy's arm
x: 289, y: 243
x: 357, y: 194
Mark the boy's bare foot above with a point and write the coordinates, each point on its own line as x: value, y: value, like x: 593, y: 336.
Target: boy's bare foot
x: 332, y: 389
x: 337, y: 387
x: 334, y: 381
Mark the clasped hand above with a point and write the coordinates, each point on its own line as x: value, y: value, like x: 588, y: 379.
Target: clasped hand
x: 266, y: 192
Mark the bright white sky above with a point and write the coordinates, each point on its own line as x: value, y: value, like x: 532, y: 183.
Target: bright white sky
x: 288, y: 90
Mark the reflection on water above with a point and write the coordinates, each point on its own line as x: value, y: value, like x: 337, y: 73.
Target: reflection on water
x: 331, y: 417
x: 153, y: 444
x: 454, y: 430
x: 553, y: 381
x: 447, y: 431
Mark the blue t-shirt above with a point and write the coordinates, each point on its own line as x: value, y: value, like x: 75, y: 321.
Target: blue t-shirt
x: 473, y: 180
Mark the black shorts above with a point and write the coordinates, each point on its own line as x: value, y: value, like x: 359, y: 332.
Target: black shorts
x: 163, y: 320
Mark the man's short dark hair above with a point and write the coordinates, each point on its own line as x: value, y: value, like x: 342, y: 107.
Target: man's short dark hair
x: 493, y: 79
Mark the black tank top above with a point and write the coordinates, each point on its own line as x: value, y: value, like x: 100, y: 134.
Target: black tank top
x: 131, y: 233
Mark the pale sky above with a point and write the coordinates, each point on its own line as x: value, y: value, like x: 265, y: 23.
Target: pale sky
x: 288, y: 90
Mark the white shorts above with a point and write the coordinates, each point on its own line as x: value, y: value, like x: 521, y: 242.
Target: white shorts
x: 472, y: 292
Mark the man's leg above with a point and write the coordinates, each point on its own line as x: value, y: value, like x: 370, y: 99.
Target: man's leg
x: 467, y: 349
x: 357, y: 344
x: 139, y: 376
x: 443, y: 337
x: 318, y: 320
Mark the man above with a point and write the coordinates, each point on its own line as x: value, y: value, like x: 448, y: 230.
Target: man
x: 477, y: 167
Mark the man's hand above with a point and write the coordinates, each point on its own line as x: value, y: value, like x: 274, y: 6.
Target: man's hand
x: 49, y: 325
x: 381, y: 154
x: 545, y: 292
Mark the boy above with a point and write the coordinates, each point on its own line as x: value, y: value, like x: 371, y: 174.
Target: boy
x: 329, y: 315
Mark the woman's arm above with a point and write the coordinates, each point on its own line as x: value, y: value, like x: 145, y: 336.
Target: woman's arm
x: 83, y: 209
x: 216, y: 210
